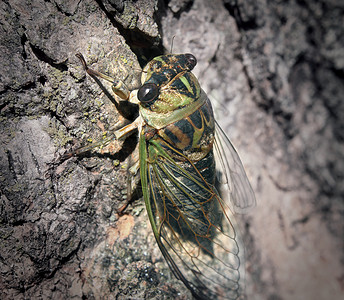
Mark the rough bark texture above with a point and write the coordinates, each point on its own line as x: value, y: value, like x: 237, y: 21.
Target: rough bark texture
x: 275, y: 71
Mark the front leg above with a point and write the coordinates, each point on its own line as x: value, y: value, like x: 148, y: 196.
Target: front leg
x: 118, y: 86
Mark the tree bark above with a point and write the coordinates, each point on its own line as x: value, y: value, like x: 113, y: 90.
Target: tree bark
x: 274, y: 70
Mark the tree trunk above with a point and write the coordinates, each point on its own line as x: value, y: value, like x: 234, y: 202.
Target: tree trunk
x: 274, y: 70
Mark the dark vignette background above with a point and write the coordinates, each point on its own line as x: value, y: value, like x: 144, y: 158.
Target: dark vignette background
x: 274, y: 70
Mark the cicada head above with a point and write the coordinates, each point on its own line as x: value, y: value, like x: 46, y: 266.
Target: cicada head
x: 168, y: 84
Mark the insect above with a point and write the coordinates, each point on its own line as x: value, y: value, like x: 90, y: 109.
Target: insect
x: 191, y: 176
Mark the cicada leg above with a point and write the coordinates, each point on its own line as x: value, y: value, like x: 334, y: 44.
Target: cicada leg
x: 121, y: 90
x: 133, y: 171
x: 117, y: 135
x: 118, y: 86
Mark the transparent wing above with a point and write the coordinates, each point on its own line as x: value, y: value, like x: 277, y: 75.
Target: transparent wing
x: 234, y: 185
x: 194, y: 228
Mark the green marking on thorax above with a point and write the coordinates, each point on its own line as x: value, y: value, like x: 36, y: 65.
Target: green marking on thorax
x: 186, y: 83
x: 159, y: 58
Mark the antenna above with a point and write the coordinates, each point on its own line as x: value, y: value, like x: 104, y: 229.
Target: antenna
x: 172, y: 43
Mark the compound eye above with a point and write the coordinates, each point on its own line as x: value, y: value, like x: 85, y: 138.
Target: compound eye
x: 191, y: 61
x: 148, y: 92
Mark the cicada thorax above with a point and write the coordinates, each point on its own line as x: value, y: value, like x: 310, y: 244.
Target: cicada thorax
x: 181, y: 118
x: 193, y: 134
x: 177, y: 108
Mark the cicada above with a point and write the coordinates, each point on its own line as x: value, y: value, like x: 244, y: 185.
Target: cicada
x: 192, y: 178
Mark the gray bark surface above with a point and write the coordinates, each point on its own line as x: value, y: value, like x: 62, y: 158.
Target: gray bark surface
x: 275, y: 73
